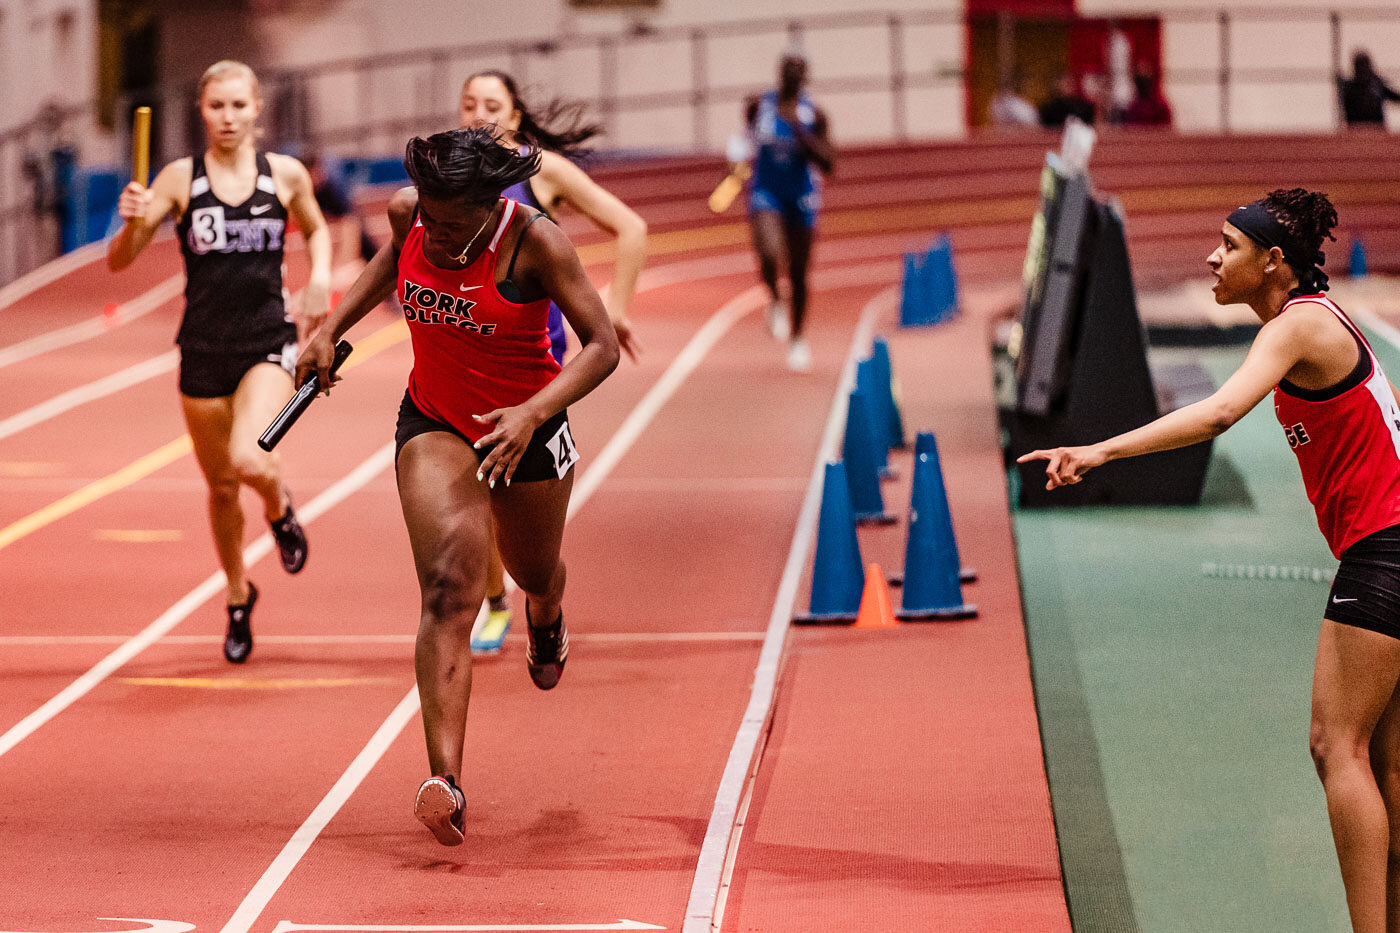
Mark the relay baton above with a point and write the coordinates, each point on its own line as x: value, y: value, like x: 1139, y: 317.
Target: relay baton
x: 141, y: 146
x: 729, y: 188
x: 300, y: 401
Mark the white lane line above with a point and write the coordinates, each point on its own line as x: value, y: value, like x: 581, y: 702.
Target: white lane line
x: 108, y: 385
x: 49, y: 272
x: 286, y: 926
x: 332, y: 496
x: 137, y: 307
x: 67, y: 401
x: 705, y: 911
x: 680, y: 369
x: 403, y: 639
x: 1380, y: 325
x: 627, y: 433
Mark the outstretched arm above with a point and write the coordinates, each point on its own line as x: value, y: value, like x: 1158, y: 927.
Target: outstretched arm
x: 573, y: 187
x: 143, y: 209
x: 301, y: 204
x: 549, y: 263
x: 374, y: 284
x: 1276, y: 350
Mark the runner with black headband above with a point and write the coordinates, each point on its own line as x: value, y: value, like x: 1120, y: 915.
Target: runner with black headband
x: 483, y: 435
x: 492, y: 98
x: 1340, y: 415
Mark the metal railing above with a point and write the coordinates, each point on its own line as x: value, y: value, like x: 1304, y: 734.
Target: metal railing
x: 889, y: 75
x: 696, y: 78
x: 36, y: 161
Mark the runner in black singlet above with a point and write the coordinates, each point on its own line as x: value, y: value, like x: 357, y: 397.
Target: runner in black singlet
x: 238, y: 343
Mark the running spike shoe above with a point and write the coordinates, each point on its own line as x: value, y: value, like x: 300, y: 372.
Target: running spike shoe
x: 547, y: 651
x: 291, y: 540
x: 441, y: 806
x: 490, y: 635
x: 238, y: 642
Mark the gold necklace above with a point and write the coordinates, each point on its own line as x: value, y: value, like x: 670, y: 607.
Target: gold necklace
x: 462, y: 256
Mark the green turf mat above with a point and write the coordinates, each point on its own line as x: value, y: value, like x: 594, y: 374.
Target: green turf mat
x: 1174, y: 697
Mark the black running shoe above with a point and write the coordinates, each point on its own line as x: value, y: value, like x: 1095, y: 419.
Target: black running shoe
x: 441, y: 806
x: 547, y: 651
x: 238, y: 643
x: 291, y: 540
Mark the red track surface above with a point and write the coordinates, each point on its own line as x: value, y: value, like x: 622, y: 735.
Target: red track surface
x: 586, y: 804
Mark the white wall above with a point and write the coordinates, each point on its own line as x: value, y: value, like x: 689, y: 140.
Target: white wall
x: 47, y: 53
x: 734, y: 64
x: 1262, y: 39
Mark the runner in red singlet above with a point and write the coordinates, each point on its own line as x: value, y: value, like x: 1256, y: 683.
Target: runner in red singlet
x: 483, y: 432
x: 1340, y: 415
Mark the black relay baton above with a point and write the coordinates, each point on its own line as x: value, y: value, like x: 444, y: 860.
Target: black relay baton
x: 300, y: 402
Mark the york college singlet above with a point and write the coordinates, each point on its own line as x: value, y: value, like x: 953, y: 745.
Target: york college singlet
x: 1347, y: 440
x: 473, y: 350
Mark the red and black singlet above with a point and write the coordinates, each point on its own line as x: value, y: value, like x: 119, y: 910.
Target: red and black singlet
x: 1347, y: 440
x: 473, y: 350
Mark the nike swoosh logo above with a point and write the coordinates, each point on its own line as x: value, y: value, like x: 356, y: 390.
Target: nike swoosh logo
x: 467, y: 288
x: 260, y: 209
x: 1338, y: 599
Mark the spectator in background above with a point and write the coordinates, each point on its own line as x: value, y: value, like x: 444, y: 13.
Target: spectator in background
x: 1065, y: 102
x: 1364, y: 96
x: 334, y: 199
x: 1009, y: 108
x: 1149, y: 107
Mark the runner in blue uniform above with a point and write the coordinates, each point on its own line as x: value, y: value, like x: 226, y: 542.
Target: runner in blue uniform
x: 789, y: 138
x: 491, y: 98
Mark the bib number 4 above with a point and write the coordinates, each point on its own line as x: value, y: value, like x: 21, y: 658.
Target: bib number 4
x: 561, y: 446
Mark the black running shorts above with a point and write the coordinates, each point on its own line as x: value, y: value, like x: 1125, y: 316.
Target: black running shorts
x: 550, y: 455
x: 1366, y: 593
x: 215, y: 375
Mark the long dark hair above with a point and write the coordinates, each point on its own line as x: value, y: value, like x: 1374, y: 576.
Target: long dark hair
x: 1309, y: 218
x: 558, y: 127
x: 470, y: 165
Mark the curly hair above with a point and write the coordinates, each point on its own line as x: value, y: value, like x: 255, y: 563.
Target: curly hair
x: 469, y: 165
x: 1309, y: 218
x: 558, y: 126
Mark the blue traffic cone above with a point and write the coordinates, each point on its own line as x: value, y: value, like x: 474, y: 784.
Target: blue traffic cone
x: 859, y: 452
x: 1357, y: 266
x: 913, y: 295
x: 868, y: 384
x: 880, y: 353
x: 941, y: 281
x: 837, y: 575
x: 932, y: 587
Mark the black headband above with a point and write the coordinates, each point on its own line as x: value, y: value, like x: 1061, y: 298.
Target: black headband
x: 1255, y: 222
x: 1260, y: 226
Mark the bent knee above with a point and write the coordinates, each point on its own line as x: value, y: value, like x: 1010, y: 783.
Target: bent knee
x: 254, y: 467
x: 1333, y: 750
x: 451, y: 593
x: 540, y: 581
x: 223, y: 489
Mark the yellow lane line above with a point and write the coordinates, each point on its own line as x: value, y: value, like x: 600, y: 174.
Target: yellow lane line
x: 93, y: 491
x: 375, y: 343
x: 250, y: 683
x: 138, y: 535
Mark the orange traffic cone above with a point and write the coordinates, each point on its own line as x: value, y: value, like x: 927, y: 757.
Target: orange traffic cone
x: 875, y: 608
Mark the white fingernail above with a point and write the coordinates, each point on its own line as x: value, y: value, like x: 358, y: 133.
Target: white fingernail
x: 479, y: 477
x: 492, y: 484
